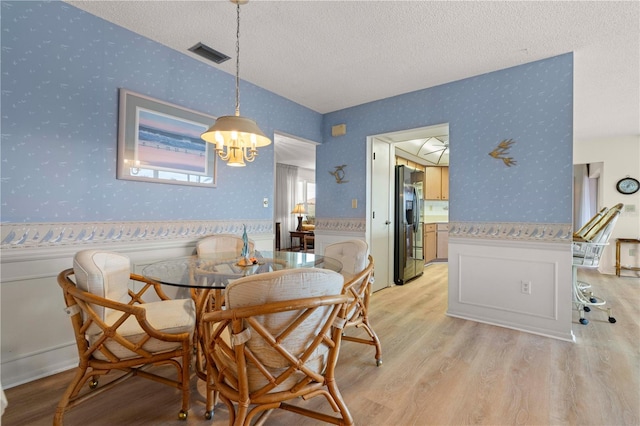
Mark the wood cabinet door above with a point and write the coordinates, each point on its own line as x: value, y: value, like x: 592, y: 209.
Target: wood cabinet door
x: 430, y: 243
x: 445, y: 183
x: 432, y: 183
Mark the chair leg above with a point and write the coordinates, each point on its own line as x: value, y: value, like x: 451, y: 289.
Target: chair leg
x: 185, y: 373
x: 585, y: 299
x: 376, y: 342
x: 71, y: 391
x: 373, y: 340
x: 211, y: 395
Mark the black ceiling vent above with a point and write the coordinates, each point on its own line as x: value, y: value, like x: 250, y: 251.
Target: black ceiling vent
x: 209, y: 53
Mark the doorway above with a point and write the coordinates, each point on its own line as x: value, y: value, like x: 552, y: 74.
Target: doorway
x: 585, y: 192
x: 295, y: 165
x: 381, y: 150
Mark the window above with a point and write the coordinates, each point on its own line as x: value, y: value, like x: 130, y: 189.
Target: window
x: 306, y: 194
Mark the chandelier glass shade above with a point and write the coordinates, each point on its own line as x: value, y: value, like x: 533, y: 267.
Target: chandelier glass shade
x: 236, y: 138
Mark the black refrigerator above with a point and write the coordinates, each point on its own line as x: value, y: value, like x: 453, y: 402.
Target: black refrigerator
x: 408, y: 260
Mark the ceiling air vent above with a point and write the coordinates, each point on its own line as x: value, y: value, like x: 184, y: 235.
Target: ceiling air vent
x: 209, y: 53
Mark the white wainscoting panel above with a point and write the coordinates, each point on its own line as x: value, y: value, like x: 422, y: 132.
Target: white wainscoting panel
x: 485, y: 284
x: 36, y: 336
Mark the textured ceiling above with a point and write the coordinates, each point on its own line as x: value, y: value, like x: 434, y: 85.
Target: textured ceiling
x: 331, y: 55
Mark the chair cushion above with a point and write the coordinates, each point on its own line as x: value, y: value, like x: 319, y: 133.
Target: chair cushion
x: 353, y: 255
x: 169, y: 316
x: 222, y: 243
x: 105, y: 274
x: 284, y: 285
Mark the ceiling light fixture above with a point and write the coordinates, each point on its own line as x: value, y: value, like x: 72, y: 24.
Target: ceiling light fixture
x: 437, y: 145
x: 240, y: 135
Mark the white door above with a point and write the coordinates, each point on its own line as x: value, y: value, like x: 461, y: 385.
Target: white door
x: 381, y: 216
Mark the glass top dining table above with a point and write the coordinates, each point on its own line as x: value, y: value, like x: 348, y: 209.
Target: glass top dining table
x: 206, y: 276
x: 215, y: 271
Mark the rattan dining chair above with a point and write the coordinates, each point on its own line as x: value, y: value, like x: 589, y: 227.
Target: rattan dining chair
x: 117, y: 328
x: 285, y: 332
x: 219, y: 243
x: 357, y: 269
x: 215, y: 244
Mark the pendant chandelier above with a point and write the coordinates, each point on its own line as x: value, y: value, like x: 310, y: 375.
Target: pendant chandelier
x: 236, y: 138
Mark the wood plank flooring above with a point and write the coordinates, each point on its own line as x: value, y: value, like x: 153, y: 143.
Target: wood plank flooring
x: 436, y: 370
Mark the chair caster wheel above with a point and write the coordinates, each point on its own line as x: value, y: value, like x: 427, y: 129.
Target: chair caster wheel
x: 208, y: 415
x: 182, y: 415
x: 587, y: 309
x: 584, y: 321
x: 593, y: 300
x: 612, y: 320
x: 378, y: 362
x: 93, y: 384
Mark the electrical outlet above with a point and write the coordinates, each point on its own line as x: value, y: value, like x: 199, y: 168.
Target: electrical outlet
x: 525, y: 287
x: 265, y: 202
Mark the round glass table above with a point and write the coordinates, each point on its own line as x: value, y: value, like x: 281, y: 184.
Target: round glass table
x: 215, y: 271
x: 208, y: 275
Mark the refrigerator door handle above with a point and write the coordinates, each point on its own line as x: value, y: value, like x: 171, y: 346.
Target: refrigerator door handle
x: 416, y: 210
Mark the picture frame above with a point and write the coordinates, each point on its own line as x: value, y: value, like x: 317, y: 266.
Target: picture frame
x: 160, y: 142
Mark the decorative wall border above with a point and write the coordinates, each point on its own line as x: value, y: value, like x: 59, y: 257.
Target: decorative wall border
x: 341, y: 224
x: 521, y: 231
x: 36, y: 235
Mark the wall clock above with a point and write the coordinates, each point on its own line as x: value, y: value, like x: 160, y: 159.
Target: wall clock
x: 628, y: 185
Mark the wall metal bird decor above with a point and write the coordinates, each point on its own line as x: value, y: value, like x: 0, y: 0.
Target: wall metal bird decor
x: 501, y: 152
x: 339, y: 174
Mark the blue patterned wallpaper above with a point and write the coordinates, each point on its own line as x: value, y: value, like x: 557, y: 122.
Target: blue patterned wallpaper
x: 61, y: 70
x: 531, y: 104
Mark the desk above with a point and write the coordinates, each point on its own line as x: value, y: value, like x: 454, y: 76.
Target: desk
x: 300, y: 236
x: 212, y: 272
x: 619, y: 242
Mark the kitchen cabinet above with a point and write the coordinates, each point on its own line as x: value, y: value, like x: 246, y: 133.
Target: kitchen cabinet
x: 430, y: 242
x: 444, y: 186
x: 442, y: 238
x: 436, y: 183
x: 436, y: 241
x: 400, y: 161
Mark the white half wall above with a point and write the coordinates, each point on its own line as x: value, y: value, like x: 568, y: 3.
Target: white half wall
x: 36, y: 338
x: 486, y: 285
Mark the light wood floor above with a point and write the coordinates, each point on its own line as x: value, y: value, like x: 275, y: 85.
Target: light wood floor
x: 437, y: 371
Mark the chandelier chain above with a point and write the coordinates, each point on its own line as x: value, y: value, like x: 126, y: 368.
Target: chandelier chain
x: 238, y: 60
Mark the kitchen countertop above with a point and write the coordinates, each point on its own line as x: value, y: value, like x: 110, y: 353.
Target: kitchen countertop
x: 435, y: 219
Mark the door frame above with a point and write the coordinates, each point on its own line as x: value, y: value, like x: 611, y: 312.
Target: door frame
x: 391, y: 138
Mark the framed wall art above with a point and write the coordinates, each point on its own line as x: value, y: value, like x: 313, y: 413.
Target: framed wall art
x: 160, y: 142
